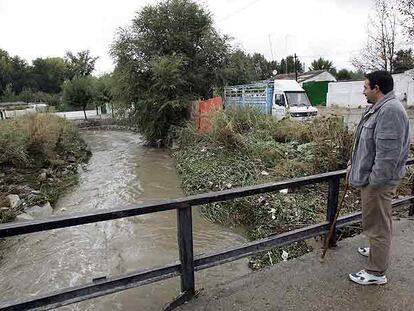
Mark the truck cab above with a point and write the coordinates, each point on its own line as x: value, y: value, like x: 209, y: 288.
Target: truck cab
x: 290, y: 100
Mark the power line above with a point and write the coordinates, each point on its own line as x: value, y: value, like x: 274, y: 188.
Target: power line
x: 271, y: 48
x: 329, y: 55
x: 239, y: 10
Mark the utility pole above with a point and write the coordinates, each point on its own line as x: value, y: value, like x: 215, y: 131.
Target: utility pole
x: 270, y: 44
x: 296, y: 69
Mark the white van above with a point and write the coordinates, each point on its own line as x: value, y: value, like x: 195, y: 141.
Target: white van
x: 291, y: 100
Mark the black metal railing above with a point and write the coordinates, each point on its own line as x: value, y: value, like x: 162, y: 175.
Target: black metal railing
x: 188, y: 263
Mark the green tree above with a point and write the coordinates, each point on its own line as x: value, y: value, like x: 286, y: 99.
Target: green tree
x: 180, y: 35
x: 288, y: 65
x: 48, y: 74
x: 80, y: 64
x: 28, y: 95
x: 243, y: 68
x: 168, y: 102
x: 263, y: 68
x: 79, y: 92
x: 8, y: 94
x: 239, y: 69
x: 322, y: 64
x: 344, y: 74
x: 13, y: 72
x: 103, y: 90
x: 403, y: 61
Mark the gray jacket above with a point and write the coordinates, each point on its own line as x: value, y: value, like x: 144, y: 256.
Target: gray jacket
x: 381, y: 144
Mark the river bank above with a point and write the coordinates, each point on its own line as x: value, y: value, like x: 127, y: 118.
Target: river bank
x: 39, y: 160
x: 122, y: 171
x: 245, y: 148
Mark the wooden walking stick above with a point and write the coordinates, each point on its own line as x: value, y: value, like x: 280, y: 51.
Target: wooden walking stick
x: 331, y: 229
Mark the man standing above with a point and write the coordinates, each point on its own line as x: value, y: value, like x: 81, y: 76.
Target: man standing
x: 377, y: 165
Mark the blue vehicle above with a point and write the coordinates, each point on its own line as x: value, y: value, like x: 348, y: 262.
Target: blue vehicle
x: 279, y: 98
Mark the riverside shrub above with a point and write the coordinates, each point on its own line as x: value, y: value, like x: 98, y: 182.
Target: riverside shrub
x: 37, y: 140
x: 39, y: 157
x: 247, y: 148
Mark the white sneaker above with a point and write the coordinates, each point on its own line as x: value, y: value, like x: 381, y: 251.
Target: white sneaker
x: 364, y: 278
x: 364, y: 251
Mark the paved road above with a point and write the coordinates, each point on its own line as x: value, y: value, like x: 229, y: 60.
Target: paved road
x: 78, y: 115
x: 306, y: 284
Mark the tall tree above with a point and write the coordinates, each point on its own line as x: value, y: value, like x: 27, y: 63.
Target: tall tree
x: 13, y: 72
x: 403, y: 61
x: 239, y: 69
x: 179, y: 35
x: 48, y: 74
x: 79, y: 92
x: 380, y: 49
x: 80, y: 64
x: 103, y: 90
x: 345, y: 74
x: 288, y: 65
x: 322, y: 64
x: 243, y: 68
x: 263, y: 68
x: 406, y: 8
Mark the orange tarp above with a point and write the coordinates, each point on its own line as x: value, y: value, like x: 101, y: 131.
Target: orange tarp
x: 203, y: 111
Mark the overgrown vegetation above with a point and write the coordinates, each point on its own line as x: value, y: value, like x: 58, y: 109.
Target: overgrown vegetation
x: 170, y: 55
x: 39, y: 157
x: 246, y: 148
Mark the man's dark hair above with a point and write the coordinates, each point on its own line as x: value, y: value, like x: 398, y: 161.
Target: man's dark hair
x: 381, y: 78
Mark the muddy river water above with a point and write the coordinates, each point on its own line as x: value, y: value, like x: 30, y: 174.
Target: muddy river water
x: 121, y: 171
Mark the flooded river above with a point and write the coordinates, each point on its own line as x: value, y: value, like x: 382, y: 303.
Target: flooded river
x: 121, y: 171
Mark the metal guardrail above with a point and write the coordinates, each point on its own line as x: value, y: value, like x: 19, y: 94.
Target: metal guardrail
x: 187, y: 264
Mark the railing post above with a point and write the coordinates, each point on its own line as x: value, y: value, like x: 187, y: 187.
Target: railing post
x: 333, y: 195
x: 185, y: 244
x: 411, y: 210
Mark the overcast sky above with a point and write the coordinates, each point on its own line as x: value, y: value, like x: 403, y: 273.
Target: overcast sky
x: 333, y: 29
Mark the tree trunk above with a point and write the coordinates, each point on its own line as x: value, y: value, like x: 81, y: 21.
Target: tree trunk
x: 84, y: 112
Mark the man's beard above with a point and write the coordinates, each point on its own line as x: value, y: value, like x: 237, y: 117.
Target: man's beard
x: 370, y: 101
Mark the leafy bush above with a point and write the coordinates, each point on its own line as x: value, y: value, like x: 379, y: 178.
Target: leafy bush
x: 246, y: 148
x: 155, y: 119
x: 79, y: 92
x: 27, y: 95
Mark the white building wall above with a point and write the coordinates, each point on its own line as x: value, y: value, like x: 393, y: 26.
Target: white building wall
x: 19, y: 113
x: 346, y: 94
x: 410, y: 94
x: 349, y: 94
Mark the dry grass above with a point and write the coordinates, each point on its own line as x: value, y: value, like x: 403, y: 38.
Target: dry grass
x: 247, y: 148
x: 35, y: 139
x: 33, y: 145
